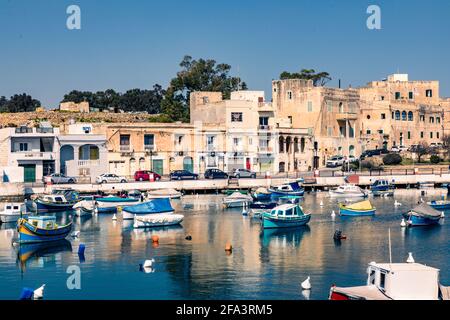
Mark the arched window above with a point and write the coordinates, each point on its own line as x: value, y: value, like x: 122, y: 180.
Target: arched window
x: 351, y: 150
x: 403, y: 115
x: 281, y: 144
x: 302, y: 145
x: 397, y: 115
x: 281, y: 167
x: 295, y: 144
x: 341, y: 107
x: 410, y: 116
x: 141, y: 163
x: 288, y: 145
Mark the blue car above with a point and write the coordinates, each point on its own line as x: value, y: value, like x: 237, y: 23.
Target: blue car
x: 183, y: 175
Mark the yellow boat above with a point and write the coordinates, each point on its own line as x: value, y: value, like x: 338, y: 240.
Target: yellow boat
x: 362, y: 208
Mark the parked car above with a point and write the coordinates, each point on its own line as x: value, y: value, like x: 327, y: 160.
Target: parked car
x: 352, y: 159
x: 215, y: 174
x: 59, y: 178
x: 144, y: 175
x: 335, y: 161
x: 399, y: 149
x: 243, y: 173
x: 371, y: 153
x: 110, y: 178
x: 183, y: 175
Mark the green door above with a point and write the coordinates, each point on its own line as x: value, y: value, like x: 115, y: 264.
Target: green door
x: 29, y: 172
x: 188, y: 164
x: 158, y: 167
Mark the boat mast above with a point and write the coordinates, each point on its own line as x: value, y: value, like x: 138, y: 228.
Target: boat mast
x: 390, y: 249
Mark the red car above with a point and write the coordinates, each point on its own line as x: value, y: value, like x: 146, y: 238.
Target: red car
x: 144, y: 175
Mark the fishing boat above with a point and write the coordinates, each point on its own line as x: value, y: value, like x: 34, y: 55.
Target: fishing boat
x: 237, y: 199
x: 157, y: 220
x: 154, y: 206
x: 110, y: 204
x: 289, y: 189
x: 262, y: 194
x: 85, y: 207
x: 347, y: 190
x: 439, y: 204
x: 58, y: 200
x: 285, y: 216
x: 422, y: 215
x: 163, y: 193
x: 258, y: 208
x: 395, y: 281
x: 362, y: 208
x: 12, y: 212
x: 382, y: 188
x: 41, y: 229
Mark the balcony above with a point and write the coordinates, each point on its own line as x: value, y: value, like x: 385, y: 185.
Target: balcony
x: 88, y: 163
x: 346, y: 116
x: 32, y: 155
x: 210, y: 147
x: 149, y: 147
x: 265, y: 149
x: 264, y: 127
x: 40, y: 130
x: 125, y: 148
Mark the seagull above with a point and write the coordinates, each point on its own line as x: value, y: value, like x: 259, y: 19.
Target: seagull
x: 333, y: 214
x: 306, y: 285
x: 75, y: 234
x: 114, y: 217
x: 148, y: 263
x: 397, y: 204
x: 39, y: 293
x: 442, y: 215
x: 403, y: 223
x: 410, y: 258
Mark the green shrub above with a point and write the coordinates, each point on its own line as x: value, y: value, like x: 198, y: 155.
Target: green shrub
x: 435, y: 159
x: 392, y: 159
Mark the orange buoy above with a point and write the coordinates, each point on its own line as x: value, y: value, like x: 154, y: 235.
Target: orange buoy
x: 155, y: 239
x: 228, y: 247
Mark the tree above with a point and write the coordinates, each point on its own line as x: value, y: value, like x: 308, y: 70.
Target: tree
x: 422, y: 149
x: 197, y: 75
x: 392, y: 159
x: 19, y: 103
x: 319, y: 78
x: 446, y: 144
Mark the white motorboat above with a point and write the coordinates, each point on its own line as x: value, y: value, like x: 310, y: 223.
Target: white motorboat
x: 84, y: 208
x: 157, y: 220
x: 164, y: 193
x: 347, y: 190
x: 109, y: 204
x: 12, y: 212
x: 237, y: 199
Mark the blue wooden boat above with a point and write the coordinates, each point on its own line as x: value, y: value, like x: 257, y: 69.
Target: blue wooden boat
x: 362, y: 208
x: 422, y: 215
x: 382, y: 188
x: 157, y: 205
x: 289, y: 189
x: 285, y: 216
x: 439, y: 204
x: 262, y: 194
x: 58, y: 200
x: 41, y: 229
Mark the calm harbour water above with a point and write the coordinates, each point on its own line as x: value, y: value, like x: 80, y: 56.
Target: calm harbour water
x: 263, y: 264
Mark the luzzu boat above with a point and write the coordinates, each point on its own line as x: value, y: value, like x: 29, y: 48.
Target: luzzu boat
x: 422, y: 215
x: 439, y: 204
x: 158, y: 205
x: 285, y: 216
x: 110, y: 204
x: 41, y: 229
x: 362, y: 208
x: 289, y: 189
x: 58, y: 200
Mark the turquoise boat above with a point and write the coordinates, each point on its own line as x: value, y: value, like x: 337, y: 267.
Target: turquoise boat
x: 362, y: 208
x: 41, y: 229
x: 439, y: 204
x: 285, y: 216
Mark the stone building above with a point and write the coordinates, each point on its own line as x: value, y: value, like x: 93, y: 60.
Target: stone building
x: 82, y: 107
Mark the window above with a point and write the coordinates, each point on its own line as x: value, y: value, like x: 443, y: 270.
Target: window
x: 421, y: 134
x: 431, y: 135
x: 125, y: 142
x: 330, y: 131
x: 422, y: 118
x: 23, y: 146
x: 368, y: 117
x: 382, y: 98
x: 393, y: 116
x: 149, y: 141
x: 341, y: 107
x: 289, y: 95
x: 397, y: 115
x: 409, y: 134
x: 290, y: 119
x: 330, y: 106
x: 263, y: 121
x: 397, y: 95
x: 380, y: 131
x: 410, y: 95
x: 438, y: 120
x: 437, y: 135
x: 431, y: 119
x: 310, y: 106
x: 403, y: 115
x: 236, y: 117
x: 429, y: 93
x: 383, y: 116
x: 382, y: 280
x: 368, y: 132
x: 410, y: 116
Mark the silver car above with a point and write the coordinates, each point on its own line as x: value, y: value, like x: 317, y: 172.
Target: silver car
x: 243, y: 173
x: 59, y: 178
x: 110, y: 178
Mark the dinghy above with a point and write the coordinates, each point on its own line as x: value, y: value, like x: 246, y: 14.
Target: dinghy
x: 258, y: 208
x: 84, y: 208
x: 12, y: 212
x: 422, y: 215
x: 347, y: 190
x: 237, y: 199
x: 157, y: 220
x: 154, y: 206
x: 362, y: 208
x: 439, y: 204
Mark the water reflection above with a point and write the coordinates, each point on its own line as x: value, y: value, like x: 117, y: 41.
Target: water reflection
x: 284, y: 237
x: 41, y: 254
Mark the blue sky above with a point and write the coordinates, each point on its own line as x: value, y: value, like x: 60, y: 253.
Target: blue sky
x: 137, y: 43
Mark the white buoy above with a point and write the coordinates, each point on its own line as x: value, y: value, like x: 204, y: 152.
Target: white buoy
x: 333, y: 214
x: 306, y: 285
x: 321, y: 203
x: 442, y: 215
x: 397, y: 204
x: 114, y: 217
x: 75, y: 234
x: 95, y: 210
x: 421, y: 200
x: 39, y: 292
x: 403, y: 223
x: 410, y: 258
x: 306, y: 294
x: 148, y: 263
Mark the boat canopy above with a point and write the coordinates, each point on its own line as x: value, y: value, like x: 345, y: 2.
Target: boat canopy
x: 116, y: 199
x: 295, y: 186
x: 153, y: 206
x: 262, y: 190
x: 424, y: 210
x: 238, y: 195
x: 362, y: 205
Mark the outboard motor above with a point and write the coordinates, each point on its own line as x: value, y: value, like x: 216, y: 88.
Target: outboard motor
x: 337, y: 235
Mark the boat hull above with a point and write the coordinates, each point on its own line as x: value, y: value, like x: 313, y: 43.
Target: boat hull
x: 262, y: 196
x: 440, y: 206
x: 8, y: 218
x: 31, y: 234
x: 237, y: 203
x: 355, y: 213
x: 271, y: 222
x: 347, y: 195
x: 417, y: 221
x: 48, y: 206
x: 158, y: 220
x: 130, y: 216
x: 291, y: 193
x: 83, y: 212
